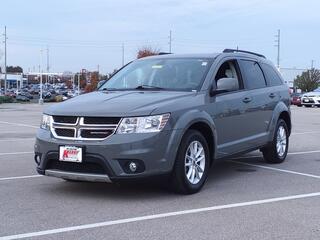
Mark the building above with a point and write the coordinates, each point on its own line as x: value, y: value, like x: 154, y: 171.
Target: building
x: 14, y: 80
x: 289, y: 74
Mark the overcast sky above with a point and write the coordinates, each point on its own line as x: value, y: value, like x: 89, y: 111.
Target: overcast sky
x: 85, y: 33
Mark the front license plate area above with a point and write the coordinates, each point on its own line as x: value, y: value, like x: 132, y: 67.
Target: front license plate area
x: 70, y: 154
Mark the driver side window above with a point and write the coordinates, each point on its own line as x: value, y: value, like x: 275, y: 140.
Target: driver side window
x: 227, y: 77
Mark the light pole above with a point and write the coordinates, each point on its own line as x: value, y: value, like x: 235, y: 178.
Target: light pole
x: 40, y: 68
x: 79, y: 84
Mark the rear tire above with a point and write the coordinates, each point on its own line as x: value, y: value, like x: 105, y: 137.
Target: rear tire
x: 192, y: 163
x: 277, y: 151
x: 308, y: 106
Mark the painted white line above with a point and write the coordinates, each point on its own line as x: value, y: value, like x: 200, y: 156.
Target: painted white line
x: 301, y: 133
x: 19, y: 177
x: 16, y: 139
x: 275, y: 169
x: 19, y: 124
x: 290, y: 153
x: 305, y: 152
x: 157, y: 216
x: 14, y: 153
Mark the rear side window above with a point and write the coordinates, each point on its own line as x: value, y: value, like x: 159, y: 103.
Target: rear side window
x: 272, y: 76
x: 252, y: 74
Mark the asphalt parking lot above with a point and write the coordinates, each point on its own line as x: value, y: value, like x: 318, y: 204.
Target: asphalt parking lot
x: 244, y: 198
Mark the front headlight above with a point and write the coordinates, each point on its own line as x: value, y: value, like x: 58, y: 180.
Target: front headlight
x: 143, y: 124
x: 45, y: 122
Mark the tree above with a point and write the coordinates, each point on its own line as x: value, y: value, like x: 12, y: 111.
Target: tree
x: 308, y: 80
x: 16, y: 69
x: 93, y: 82
x: 147, y: 51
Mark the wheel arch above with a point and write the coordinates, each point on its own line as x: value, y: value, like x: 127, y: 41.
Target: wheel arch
x: 202, y: 122
x: 281, y: 111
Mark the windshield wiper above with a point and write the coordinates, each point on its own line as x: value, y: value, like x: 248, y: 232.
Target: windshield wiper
x: 148, y: 87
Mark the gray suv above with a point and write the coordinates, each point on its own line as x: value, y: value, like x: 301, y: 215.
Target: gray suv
x: 171, y: 115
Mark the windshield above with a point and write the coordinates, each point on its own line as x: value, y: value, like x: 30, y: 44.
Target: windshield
x: 169, y: 74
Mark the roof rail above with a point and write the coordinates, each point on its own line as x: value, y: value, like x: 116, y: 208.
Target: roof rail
x: 163, y: 53
x: 227, y: 50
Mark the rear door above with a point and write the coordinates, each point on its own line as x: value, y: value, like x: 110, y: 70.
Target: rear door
x: 263, y: 99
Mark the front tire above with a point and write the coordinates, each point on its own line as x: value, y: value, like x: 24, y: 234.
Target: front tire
x: 192, y: 163
x: 277, y: 151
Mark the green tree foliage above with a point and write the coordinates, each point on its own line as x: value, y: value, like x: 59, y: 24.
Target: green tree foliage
x: 14, y: 69
x: 308, y: 80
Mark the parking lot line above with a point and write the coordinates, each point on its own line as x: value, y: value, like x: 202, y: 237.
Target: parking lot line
x: 290, y: 153
x: 157, y: 216
x: 16, y: 139
x: 275, y: 169
x: 301, y: 133
x: 19, y: 124
x: 20, y: 177
x: 14, y: 153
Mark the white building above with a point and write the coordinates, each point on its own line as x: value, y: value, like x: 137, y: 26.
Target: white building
x: 14, y: 80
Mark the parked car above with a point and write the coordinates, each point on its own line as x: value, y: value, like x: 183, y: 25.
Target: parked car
x: 172, y: 115
x: 310, y: 99
x: 296, y: 99
x: 22, y: 98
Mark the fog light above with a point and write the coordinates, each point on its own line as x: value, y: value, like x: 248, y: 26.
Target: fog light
x: 133, y: 167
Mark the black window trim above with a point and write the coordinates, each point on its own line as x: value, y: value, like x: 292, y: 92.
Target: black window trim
x: 237, y: 67
x: 257, y: 62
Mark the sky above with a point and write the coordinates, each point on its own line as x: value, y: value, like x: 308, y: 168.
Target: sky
x: 82, y: 34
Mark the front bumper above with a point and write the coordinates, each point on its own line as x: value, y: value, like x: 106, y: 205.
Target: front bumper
x: 107, y: 160
x: 310, y: 101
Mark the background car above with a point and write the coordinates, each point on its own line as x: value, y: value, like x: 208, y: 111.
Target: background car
x: 296, y: 99
x: 310, y: 99
x: 22, y: 98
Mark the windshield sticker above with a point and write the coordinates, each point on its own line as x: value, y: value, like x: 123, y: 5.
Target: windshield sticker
x: 204, y: 63
x: 157, y: 66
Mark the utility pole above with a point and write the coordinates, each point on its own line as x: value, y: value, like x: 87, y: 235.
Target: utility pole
x: 312, y: 61
x: 98, y: 72
x: 40, y: 71
x: 48, y: 67
x: 170, y: 41
x: 278, y: 48
x: 79, y: 83
x: 122, y: 54
x: 5, y: 59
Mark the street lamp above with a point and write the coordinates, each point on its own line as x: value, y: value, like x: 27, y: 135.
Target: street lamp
x: 41, y: 99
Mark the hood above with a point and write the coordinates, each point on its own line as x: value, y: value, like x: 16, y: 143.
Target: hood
x: 117, y: 103
x: 309, y: 94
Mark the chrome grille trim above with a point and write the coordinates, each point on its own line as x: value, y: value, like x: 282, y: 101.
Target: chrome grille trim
x: 79, y: 126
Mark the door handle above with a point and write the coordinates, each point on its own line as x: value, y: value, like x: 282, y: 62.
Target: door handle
x: 247, y: 99
x: 272, y: 95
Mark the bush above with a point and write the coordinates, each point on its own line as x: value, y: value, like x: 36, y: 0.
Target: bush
x: 6, y: 99
x: 59, y: 98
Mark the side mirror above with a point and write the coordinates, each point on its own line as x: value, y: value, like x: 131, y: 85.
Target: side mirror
x: 225, y: 85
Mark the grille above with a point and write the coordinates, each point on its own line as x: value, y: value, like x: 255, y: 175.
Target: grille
x: 64, y: 132
x: 83, y: 128
x: 86, y: 133
x: 101, y: 120
x: 65, y: 119
x: 84, y: 167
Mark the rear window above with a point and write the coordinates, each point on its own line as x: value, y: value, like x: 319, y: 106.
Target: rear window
x: 271, y: 75
x: 252, y: 74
